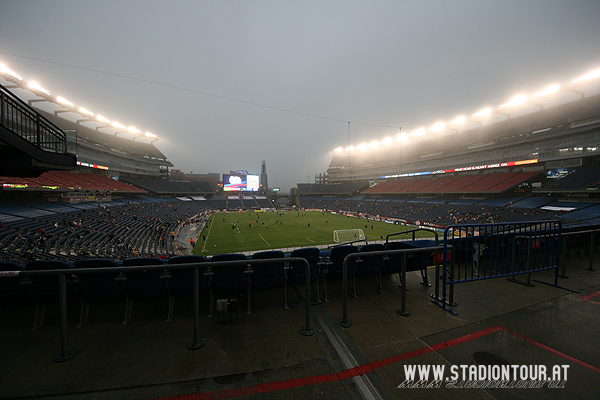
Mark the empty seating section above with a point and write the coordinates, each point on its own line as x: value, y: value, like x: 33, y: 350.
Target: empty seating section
x: 164, y: 186
x: 117, y: 229
x: 70, y: 181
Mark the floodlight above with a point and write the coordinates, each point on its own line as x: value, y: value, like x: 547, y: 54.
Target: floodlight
x: 374, y: 144
x: 37, y: 87
x: 438, y: 127
x: 4, y: 69
x: 591, y: 75
x: 87, y: 112
x: 418, y: 132
x: 362, y: 147
x: 132, y: 129
x: 148, y: 134
x: 350, y: 148
x: 387, y: 141
x: 483, y: 113
x: 338, y: 150
x: 516, y: 101
x: 64, y: 101
x: 549, y: 90
x: 403, y: 137
x: 118, y: 125
x: 458, y: 120
x: 102, y: 119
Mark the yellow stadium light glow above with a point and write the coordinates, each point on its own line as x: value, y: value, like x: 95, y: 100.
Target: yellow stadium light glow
x: 387, y: 141
x: 132, y: 129
x: 483, y: 113
x: 85, y: 111
x: 64, y: 101
x: 102, y: 119
x: 549, y: 90
x: 586, y: 77
x: 118, y: 125
x: 516, y: 101
x: 37, y: 87
x: 6, y: 70
x: 438, y: 127
x: 458, y: 120
x: 419, y: 132
x: 362, y: 147
x: 374, y: 144
x: 338, y: 150
x: 350, y: 148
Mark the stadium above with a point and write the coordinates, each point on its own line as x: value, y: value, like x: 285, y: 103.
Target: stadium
x: 510, y: 192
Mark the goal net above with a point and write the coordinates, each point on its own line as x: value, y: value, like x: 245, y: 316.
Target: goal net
x: 348, y: 235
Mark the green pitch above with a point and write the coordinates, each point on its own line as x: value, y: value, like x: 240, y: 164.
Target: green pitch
x: 250, y: 231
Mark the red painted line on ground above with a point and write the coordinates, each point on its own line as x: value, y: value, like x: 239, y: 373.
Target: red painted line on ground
x: 591, y: 296
x: 550, y: 349
x: 366, y: 368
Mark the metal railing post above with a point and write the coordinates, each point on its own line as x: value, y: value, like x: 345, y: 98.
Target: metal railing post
x: 65, y: 354
x: 402, y: 311
x: 196, y: 342
x: 591, y: 263
x: 307, y: 331
x: 344, y: 322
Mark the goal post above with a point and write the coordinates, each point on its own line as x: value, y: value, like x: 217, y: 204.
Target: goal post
x: 348, y: 235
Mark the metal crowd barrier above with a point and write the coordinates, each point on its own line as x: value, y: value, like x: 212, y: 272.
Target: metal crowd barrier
x: 196, y: 342
x: 488, y: 251
x: 402, y: 311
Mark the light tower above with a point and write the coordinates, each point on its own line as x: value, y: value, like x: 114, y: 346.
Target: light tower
x: 264, y: 183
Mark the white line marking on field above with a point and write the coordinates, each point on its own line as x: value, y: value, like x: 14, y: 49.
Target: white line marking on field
x: 310, y: 240
x: 261, y: 236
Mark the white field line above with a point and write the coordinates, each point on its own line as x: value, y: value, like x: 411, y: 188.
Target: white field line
x: 261, y: 236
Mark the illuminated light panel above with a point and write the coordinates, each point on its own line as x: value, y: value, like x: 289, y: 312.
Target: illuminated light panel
x: 403, y: 137
x: 85, y: 111
x: 591, y: 75
x: 418, y: 132
x: 62, y: 100
x: 362, y: 147
x: 133, y: 129
x: 483, y: 113
x: 350, y: 148
x: 37, y: 87
x: 374, y: 144
x: 387, y: 141
x: 102, y: 119
x: 458, y: 120
x: 151, y: 135
x: 118, y: 125
x: 549, y: 90
x: 438, y: 127
x: 516, y: 101
x: 338, y: 150
x: 6, y: 70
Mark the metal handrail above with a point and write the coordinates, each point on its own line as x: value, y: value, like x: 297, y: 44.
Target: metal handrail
x: 196, y: 342
x: 344, y: 322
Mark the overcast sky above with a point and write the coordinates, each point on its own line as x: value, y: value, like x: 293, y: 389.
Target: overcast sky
x: 227, y: 84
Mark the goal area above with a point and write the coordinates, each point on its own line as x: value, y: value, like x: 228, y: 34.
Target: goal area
x: 348, y: 235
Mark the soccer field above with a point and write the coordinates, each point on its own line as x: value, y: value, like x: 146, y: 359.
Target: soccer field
x: 250, y: 231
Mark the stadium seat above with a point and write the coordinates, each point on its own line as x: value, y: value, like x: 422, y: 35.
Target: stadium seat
x: 297, y: 274
x: 12, y: 293
x: 371, y: 266
x: 45, y: 289
x: 334, y: 268
x: 141, y: 285
x: 269, y: 276
x: 418, y: 261
x: 96, y: 287
x: 181, y: 282
x: 228, y: 279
